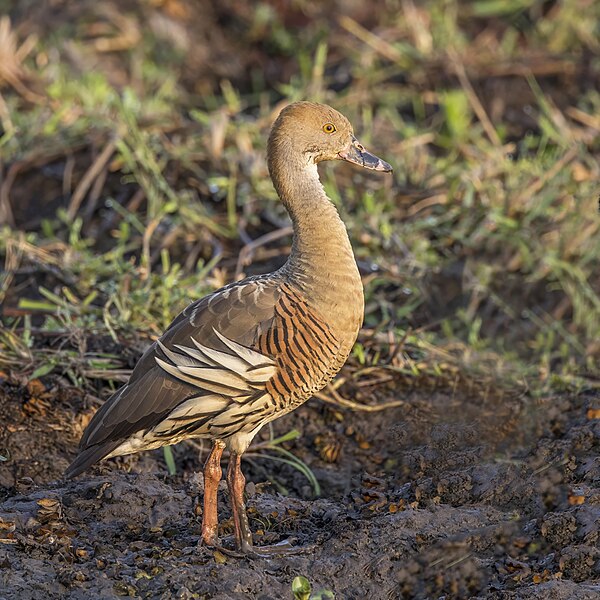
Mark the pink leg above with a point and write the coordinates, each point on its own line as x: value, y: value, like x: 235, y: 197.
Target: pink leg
x: 243, y: 536
x: 212, y: 477
x: 237, y: 483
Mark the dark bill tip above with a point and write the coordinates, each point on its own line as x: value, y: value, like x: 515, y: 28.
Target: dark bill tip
x: 359, y: 156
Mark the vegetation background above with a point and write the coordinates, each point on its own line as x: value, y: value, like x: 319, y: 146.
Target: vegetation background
x: 134, y: 172
x: 133, y: 180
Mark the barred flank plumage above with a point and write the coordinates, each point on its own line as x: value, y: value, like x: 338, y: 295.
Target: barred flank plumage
x: 305, y: 349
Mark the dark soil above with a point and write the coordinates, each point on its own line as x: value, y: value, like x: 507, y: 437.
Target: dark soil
x: 454, y: 495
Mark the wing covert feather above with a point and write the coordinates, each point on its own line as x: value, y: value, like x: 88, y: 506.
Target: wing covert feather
x: 239, y: 312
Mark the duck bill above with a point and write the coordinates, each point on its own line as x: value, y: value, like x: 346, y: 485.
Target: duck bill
x: 357, y: 154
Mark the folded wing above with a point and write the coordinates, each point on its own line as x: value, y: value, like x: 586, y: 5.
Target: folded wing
x: 205, y: 365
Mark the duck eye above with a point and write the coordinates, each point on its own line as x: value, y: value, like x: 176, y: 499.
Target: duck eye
x: 329, y: 128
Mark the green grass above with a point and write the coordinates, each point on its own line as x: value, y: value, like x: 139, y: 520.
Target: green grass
x: 301, y: 589
x: 272, y: 450
x: 136, y: 181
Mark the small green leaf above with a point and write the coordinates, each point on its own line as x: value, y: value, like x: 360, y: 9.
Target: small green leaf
x: 27, y: 304
x: 42, y: 370
x: 286, y: 437
x: 301, y: 588
x: 458, y: 113
x: 170, y: 460
x: 323, y: 595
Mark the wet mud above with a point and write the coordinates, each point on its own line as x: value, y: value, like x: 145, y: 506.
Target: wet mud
x: 452, y: 495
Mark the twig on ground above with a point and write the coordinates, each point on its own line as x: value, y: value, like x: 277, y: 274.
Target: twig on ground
x: 90, y: 176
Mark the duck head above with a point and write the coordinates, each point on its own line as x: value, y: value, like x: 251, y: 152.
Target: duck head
x: 309, y: 133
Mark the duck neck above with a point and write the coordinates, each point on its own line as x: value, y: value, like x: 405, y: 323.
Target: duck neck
x: 321, y: 258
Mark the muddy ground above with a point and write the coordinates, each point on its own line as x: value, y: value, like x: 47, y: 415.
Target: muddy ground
x: 453, y: 495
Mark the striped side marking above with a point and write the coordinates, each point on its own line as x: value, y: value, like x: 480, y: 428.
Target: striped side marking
x: 304, y: 347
